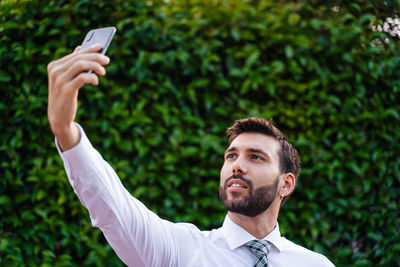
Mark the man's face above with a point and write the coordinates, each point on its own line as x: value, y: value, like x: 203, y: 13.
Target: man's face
x: 250, y: 175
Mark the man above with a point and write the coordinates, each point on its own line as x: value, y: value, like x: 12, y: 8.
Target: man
x: 259, y: 174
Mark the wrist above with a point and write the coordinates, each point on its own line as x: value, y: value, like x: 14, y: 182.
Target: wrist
x: 68, y: 136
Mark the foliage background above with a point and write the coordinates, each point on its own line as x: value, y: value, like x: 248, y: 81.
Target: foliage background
x: 180, y: 73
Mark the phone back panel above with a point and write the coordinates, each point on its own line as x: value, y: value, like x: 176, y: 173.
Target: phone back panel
x: 102, y: 36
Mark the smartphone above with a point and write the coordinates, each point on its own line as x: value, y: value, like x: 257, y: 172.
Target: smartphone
x: 102, y: 36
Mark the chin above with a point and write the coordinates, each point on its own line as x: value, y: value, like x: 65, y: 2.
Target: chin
x: 236, y: 195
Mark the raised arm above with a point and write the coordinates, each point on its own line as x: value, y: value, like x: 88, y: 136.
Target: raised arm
x: 138, y: 236
x: 66, y: 76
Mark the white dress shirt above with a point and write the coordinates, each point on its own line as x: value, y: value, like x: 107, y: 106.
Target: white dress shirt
x: 141, y: 238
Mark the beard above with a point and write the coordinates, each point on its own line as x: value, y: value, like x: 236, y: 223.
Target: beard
x: 256, y: 202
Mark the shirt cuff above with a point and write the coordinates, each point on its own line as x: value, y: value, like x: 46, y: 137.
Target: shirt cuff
x: 79, y: 156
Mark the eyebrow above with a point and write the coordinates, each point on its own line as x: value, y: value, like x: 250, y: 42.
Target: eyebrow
x: 252, y: 150
x: 231, y: 149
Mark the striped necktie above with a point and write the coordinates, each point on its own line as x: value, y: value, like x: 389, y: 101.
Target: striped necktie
x: 260, y: 248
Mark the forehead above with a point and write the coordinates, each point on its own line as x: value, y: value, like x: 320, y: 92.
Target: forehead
x: 256, y: 141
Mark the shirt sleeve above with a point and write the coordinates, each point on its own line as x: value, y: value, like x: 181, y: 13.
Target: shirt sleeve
x: 138, y: 236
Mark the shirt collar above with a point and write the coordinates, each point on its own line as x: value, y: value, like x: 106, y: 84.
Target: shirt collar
x: 236, y: 236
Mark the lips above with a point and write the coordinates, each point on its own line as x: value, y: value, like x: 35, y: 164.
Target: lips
x: 237, y: 184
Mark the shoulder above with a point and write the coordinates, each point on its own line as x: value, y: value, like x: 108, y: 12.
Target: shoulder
x: 196, y: 232
x: 304, y: 255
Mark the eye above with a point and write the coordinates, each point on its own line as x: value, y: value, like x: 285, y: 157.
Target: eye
x: 256, y: 157
x: 230, y: 156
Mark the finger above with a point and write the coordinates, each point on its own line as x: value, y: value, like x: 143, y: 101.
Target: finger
x: 82, y: 79
x: 86, y: 65
x: 95, y: 57
x: 92, y: 48
x: 80, y: 63
x: 77, y: 68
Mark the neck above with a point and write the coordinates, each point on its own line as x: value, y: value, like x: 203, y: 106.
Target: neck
x: 259, y: 226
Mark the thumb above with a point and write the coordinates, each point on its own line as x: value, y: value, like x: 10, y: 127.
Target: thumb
x: 77, y: 49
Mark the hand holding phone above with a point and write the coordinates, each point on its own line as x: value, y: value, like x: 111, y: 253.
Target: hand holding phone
x: 66, y: 76
x: 102, y: 36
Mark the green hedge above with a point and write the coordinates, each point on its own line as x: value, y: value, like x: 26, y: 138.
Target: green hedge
x: 180, y: 72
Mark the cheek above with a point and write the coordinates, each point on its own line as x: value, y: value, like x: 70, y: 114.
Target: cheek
x: 263, y: 176
x: 224, y: 173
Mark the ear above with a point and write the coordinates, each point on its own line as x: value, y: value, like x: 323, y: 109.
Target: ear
x: 288, y: 184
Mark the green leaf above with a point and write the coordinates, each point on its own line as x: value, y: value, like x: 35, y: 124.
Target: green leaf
x: 4, y: 77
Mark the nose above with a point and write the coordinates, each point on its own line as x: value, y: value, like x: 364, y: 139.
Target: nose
x: 239, y: 167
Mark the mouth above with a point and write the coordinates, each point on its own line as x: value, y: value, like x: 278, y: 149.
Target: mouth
x: 237, y: 185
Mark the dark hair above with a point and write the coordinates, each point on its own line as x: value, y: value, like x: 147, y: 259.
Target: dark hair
x: 289, y: 160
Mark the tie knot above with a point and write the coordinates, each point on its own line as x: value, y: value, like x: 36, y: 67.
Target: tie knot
x: 259, y: 247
